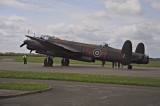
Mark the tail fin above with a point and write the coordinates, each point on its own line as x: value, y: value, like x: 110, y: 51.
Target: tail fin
x: 126, y: 53
x: 140, y: 48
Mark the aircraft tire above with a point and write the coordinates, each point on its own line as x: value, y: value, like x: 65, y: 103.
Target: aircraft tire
x: 65, y: 62
x: 48, y: 61
x: 129, y: 67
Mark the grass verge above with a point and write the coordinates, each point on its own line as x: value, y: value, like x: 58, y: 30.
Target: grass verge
x: 24, y: 86
x: 107, y: 79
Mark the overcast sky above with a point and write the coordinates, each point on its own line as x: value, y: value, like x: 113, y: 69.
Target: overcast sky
x: 88, y: 21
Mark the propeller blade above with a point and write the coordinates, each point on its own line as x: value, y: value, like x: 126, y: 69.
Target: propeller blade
x: 22, y: 44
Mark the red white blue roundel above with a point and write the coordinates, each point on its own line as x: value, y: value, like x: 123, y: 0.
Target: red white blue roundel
x: 97, y: 53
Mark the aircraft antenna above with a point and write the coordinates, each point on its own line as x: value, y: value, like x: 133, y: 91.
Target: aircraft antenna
x: 28, y: 32
x: 66, y: 37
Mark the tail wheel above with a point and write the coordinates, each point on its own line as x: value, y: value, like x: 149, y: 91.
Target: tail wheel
x: 65, y: 62
x: 48, y: 61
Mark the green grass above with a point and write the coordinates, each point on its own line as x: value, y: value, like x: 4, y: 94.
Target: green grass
x: 107, y: 79
x: 24, y: 86
x: 150, y: 64
x: 29, y: 59
x: 58, y: 60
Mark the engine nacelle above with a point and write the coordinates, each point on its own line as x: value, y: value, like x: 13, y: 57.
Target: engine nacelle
x: 33, y: 45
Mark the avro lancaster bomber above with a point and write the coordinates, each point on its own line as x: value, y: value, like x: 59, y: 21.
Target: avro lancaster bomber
x: 55, y: 47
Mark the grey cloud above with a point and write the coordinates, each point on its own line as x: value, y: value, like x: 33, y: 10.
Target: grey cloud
x: 86, y: 31
x: 139, y: 33
x: 101, y: 14
x: 22, y: 5
x: 155, y: 4
x: 17, y: 18
x: 125, y: 7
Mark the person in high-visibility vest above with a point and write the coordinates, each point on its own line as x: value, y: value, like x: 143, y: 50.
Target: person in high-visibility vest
x: 25, y: 59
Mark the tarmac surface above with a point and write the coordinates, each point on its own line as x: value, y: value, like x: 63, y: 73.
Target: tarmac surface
x: 80, y: 93
x: 85, y: 69
x: 85, y: 94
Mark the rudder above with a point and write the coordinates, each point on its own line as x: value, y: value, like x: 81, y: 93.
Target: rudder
x: 126, y: 53
x: 140, y: 48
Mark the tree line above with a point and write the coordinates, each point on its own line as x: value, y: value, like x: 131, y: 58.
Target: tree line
x: 21, y: 54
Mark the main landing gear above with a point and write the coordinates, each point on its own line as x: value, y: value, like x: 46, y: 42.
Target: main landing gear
x: 48, y: 61
x: 65, y: 62
x: 129, y: 67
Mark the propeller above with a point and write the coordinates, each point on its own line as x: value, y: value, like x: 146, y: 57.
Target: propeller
x: 23, y: 44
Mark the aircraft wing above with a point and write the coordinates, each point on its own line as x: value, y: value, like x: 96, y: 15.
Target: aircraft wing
x: 68, y: 48
x: 54, y: 45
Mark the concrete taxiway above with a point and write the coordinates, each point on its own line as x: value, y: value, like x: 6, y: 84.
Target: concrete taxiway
x: 84, y: 94
x: 85, y: 69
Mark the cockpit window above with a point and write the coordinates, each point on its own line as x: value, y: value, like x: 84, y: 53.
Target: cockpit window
x: 104, y: 44
x: 47, y: 37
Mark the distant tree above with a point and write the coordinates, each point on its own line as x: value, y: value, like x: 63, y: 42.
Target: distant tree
x: 21, y: 54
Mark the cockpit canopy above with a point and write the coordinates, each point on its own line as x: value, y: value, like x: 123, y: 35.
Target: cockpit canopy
x: 48, y: 37
x: 104, y: 44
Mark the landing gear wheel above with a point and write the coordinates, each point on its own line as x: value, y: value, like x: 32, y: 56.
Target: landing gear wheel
x: 129, y: 67
x: 65, y: 62
x: 48, y: 61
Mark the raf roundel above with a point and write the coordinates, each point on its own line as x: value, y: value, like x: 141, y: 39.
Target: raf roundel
x: 97, y: 53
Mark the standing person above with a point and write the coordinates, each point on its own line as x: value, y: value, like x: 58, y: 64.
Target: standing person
x: 119, y: 64
x: 113, y: 63
x: 122, y: 66
x: 25, y: 59
x: 103, y: 63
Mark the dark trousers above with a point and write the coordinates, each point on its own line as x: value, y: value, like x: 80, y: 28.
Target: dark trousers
x: 25, y: 61
x: 103, y: 63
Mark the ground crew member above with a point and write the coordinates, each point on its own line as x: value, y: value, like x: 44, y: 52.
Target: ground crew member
x: 119, y: 64
x: 122, y: 66
x: 113, y: 63
x: 25, y: 59
x: 103, y: 63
